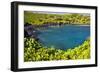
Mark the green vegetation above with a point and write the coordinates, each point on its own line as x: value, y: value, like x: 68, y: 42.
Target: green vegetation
x: 41, y: 19
x: 34, y: 51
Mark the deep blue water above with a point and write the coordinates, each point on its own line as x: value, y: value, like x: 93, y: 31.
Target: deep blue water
x: 64, y: 37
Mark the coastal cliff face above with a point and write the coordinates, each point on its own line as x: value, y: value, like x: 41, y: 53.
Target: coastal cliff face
x: 30, y: 31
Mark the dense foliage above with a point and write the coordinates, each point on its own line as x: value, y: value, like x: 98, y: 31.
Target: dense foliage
x: 34, y: 51
x: 68, y: 18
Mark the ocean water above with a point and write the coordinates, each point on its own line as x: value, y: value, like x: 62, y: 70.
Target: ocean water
x: 64, y: 37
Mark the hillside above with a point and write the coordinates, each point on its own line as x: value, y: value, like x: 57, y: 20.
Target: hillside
x: 44, y: 18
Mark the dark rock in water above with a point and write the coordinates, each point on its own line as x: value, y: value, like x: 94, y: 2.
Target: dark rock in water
x: 26, y: 33
x: 30, y: 31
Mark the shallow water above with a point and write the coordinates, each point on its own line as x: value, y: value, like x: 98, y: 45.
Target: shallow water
x: 64, y: 37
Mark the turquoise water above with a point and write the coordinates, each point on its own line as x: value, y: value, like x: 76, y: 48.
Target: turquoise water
x: 64, y: 37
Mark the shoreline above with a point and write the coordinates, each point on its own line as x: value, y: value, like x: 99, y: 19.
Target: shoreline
x: 58, y: 25
x: 54, y: 25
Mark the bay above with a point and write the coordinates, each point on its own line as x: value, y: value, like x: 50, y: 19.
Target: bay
x: 64, y: 37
